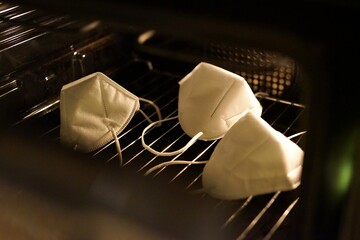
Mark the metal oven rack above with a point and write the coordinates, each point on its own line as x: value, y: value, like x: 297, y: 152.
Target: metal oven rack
x: 260, y: 217
x: 20, y: 26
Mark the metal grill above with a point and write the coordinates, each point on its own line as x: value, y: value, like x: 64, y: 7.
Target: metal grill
x: 265, y: 71
x: 266, y: 216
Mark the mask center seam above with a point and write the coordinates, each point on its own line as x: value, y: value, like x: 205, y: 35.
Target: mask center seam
x: 222, y: 98
x: 103, y: 100
x: 250, y: 152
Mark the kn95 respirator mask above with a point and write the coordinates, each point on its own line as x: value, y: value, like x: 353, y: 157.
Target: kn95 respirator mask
x: 211, y: 100
x: 94, y: 110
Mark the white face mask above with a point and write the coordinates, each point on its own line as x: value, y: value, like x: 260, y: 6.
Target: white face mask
x: 251, y: 159
x: 94, y: 110
x: 211, y: 100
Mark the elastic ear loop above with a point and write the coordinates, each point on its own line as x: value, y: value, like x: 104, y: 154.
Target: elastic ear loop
x: 296, y: 134
x: 157, y: 109
x: 261, y: 94
x: 118, y: 148
x: 117, y: 143
x: 153, y: 151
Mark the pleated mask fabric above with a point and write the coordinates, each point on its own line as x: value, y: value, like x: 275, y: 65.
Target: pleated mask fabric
x: 252, y: 159
x: 91, y: 108
x: 211, y: 100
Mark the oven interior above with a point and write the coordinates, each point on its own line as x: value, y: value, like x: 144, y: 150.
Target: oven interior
x: 40, y: 52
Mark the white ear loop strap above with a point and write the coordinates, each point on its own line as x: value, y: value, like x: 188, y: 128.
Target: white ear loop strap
x: 157, y: 109
x: 183, y: 149
x: 261, y: 94
x: 164, y: 164
x: 117, y: 143
x: 296, y: 134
